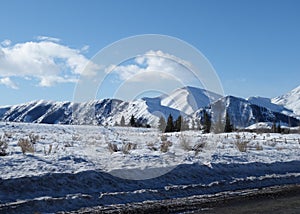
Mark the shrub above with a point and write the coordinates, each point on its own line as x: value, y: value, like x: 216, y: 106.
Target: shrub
x: 128, y: 146
x: 163, y: 138
x: 33, y: 138
x: 152, y: 146
x: 3, y: 147
x: 8, y: 135
x: 76, y: 138
x: 198, y: 147
x: 185, y: 144
x: 242, y: 145
x: 112, y: 147
x: 49, y: 150
x: 164, y: 147
x: 258, y: 147
x: 26, y: 145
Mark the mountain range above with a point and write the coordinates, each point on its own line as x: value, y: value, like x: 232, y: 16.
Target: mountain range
x: 190, y: 102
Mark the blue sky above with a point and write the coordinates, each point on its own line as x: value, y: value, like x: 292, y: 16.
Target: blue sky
x: 254, y: 46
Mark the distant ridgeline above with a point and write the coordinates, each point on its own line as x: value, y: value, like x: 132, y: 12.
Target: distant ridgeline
x: 192, y: 104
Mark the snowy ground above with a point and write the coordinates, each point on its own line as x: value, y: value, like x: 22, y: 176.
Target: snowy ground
x: 73, y: 167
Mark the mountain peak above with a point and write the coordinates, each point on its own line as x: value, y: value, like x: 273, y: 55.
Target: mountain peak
x: 290, y: 100
x: 189, y: 99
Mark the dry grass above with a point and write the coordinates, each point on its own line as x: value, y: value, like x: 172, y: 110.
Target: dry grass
x: 241, y: 145
x: 198, y: 147
x: 26, y: 145
x: 185, y: 143
x: 7, y: 135
x: 164, y: 147
x: 49, y: 150
x: 112, y: 147
x: 163, y: 138
x: 3, y: 148
x: 258, y: 147
x: 76, y: 138
x: 152, y: 146
x: 128, y: 146
x: 33, y: 138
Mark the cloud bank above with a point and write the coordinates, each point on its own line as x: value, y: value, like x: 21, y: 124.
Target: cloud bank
x: 45, y: 60
x: 153, y: 63
x: 8, y: 83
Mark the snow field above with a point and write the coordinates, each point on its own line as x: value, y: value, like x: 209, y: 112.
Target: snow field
x: 66, y: 148
x: 81, y: 171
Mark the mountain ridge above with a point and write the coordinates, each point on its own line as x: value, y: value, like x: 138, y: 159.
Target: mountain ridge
x: 188, y: 102
x: 290, y: 100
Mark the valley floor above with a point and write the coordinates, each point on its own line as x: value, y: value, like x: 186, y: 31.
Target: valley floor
x: 73, y: 167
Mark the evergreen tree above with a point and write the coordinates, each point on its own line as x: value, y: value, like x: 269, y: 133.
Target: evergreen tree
x: 178, y: 124
x: 278, y: 129
x: 206, y: 122
x: 228, y: 125
x: 162, y: 124
x: 273, y: 129
x: 170, y: 125
x: 132, y: 121
x: 122, y: 121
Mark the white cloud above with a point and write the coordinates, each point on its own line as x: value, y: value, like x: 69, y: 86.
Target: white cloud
x: 6, y: 42
x: 48, y: 38
x: 46, y: 61
x: 156, y: 63
x: 7, y: 82
x: 85, y: 48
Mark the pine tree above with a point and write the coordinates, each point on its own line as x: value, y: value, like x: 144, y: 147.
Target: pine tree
x: 170, y: 125
x: 132, y: 121
x: 162, y: 124
x: 228, y: 125
x: 206, y: 122
x: 274, y: 127
x: 278, y: 129
x: 178, y: 124
x: 122, y: 121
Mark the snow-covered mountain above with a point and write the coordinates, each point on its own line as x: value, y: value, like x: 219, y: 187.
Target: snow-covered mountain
x: 62, y: 112
x: 291, y: 100
x: 104, y: 112
x: 267, y: 103
x: 188, y: 101
x: 243, y: 113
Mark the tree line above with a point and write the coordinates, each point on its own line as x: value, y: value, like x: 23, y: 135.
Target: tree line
x: 205, y: 124
x: 180, y: 124
x: 133, y: 122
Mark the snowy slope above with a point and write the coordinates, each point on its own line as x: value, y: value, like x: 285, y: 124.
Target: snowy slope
x: 267, y: 103
x: 104, y: 112
x: 79, y: 170
x: 291, y: 100
x: 145, y: 110
x: 61, y: 112
x: 189, y: 99
x: 243, y: 113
